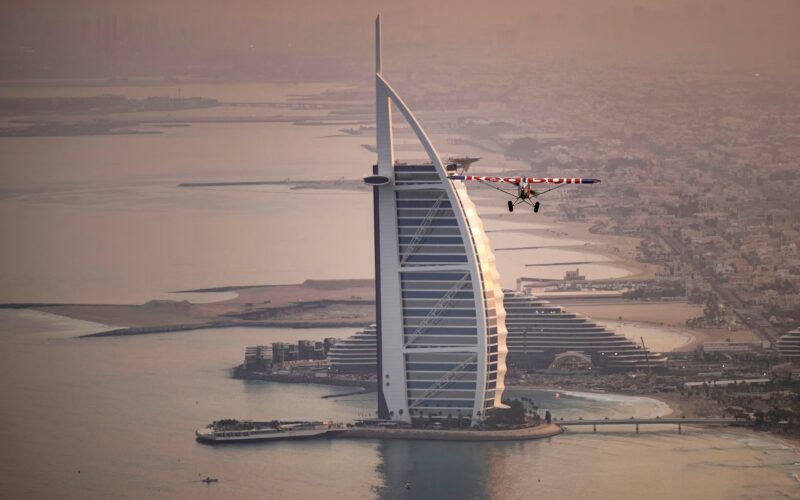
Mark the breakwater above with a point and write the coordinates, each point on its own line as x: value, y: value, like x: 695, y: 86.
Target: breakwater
x: 366, y: 385
x: 145, y: 330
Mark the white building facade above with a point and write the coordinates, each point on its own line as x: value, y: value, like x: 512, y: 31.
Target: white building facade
x: 440, y: 317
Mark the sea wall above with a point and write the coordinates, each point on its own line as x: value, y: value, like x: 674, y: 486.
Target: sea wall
x: 240, y: 373
x: 525, y: 433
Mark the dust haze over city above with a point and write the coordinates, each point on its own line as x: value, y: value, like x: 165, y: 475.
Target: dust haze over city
x: 324, y: 42
x: 214, y: 233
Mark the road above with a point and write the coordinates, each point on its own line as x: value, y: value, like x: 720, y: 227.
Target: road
x: 753, y: 319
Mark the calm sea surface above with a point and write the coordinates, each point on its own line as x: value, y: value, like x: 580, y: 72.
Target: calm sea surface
x: 100, y: 219
x: 122, y: 411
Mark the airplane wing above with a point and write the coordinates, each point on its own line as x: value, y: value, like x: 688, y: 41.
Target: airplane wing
x: 529, y: 180
x: 509, y: 193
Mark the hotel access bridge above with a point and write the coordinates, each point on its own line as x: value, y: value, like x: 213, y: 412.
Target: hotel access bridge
x: 680, y: 422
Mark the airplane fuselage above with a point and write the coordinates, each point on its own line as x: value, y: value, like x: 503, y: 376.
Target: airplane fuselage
x: 525, y: 194
x: 524, y: 190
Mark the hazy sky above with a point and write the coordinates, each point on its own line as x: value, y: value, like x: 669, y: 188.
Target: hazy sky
x: 725, y: 32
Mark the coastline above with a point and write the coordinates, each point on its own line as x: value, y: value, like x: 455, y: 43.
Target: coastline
x: 319, y: 304
x: 669, y: 314
x: 350, y: 303
x: 160, y: 317
x: 122, y: 332
x: 662, y: 404
x: 659, y: 407
x: 620, y: 250
x: 311, y: 304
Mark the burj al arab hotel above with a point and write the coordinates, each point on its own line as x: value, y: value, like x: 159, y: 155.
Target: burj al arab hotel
x: 440, y: 319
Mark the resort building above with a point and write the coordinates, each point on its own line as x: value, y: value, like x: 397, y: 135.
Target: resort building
x: 355, y: 354
x: 788, y: 345
x: 539, y: 331
x: 540, y: 335
x: 440, y: 318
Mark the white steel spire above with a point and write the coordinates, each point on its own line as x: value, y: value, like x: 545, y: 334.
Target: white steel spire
x: 378, y: 44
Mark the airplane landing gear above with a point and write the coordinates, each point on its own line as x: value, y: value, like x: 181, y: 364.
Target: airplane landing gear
x: 536, y: 207
x: 510, y: 206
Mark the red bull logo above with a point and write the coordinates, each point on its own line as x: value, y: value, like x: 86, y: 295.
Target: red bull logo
x: 529, y: 180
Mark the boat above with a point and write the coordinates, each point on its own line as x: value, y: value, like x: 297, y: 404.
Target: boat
x: 232, y: 430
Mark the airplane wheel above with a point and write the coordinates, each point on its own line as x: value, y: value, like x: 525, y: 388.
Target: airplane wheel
x: 510, y: 206
x: 536, y: 207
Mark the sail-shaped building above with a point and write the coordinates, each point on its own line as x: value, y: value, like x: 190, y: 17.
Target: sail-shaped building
x: 440, y: 317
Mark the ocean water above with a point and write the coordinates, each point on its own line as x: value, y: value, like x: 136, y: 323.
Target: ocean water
x: 100, y: 219
x: 228, y: 92
x: 115, y: 417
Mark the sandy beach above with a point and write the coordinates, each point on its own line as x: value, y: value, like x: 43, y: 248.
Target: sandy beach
x: 682, y: 406
x: 672, y: 314
x: 313, y: 302
x: 351, y: 302
x: 666, y: 313
x: 663, y: 404
x: 620, y: 250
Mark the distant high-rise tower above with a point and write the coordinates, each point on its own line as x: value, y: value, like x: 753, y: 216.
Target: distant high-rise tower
x: 440, y: 318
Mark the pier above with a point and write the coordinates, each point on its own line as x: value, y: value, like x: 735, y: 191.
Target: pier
x: 680, y: 422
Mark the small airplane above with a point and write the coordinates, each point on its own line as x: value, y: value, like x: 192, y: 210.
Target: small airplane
x: 525, y: 192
